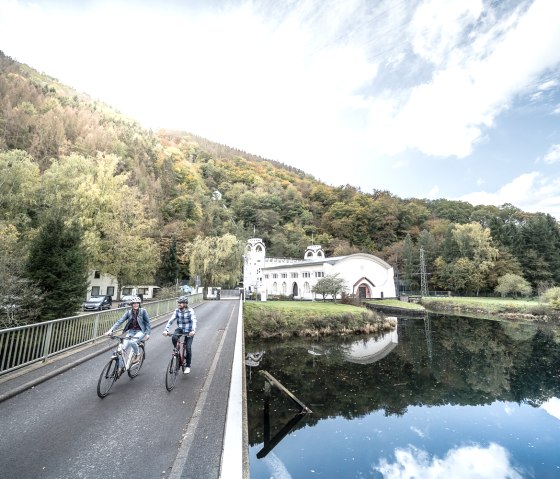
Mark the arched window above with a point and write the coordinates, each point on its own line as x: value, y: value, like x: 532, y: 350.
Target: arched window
x: 309, y: 254
x: 258, y: 249
x: 320, y: 254
x: 284, y: 288
x: 306, y: 288
x: 275, y: 288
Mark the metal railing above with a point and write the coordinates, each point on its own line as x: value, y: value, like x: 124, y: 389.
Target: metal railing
x: 24, y: 345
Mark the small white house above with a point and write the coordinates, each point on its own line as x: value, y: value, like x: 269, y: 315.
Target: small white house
x: 101, y: 284
x: 145, y: 292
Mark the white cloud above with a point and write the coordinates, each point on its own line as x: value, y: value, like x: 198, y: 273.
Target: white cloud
x: 530, y: 192
x: 433, y: 192
x: 552, y: 407
x: 473, y: 81
x: 491, y: 462
x: 553, y: 154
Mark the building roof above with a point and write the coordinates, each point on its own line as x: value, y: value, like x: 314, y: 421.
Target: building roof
x: 331, y: 260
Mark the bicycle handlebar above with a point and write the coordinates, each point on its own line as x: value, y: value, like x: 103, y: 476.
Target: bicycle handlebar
x: 122, y: 338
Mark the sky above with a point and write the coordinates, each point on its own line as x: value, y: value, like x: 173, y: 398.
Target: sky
x: 424, y: 98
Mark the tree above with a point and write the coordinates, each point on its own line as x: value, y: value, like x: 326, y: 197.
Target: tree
x: 216, y: 259
x: 169, y: 269
x: 118, y: 231
x: 512, y: 284
x: 552, y: 296
x: 19, y: 296
x: 58, y: 264
x: 331, y: 285
x: 19, y: 184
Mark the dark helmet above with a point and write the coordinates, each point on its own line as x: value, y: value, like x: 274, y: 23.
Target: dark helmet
x: 183, y: 299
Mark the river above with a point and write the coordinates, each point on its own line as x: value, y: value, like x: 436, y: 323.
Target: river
x: 439, y: 397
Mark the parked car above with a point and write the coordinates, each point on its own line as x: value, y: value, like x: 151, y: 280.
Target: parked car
x: 98, y: 303
x: 125, y: 300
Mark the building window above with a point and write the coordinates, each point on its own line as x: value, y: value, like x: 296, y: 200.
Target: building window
x: 266, y: 276
x: 306, y: 288
x: 306, y: 275
x: 95, y: 291
x: 274, y: 288
x: 293, y: 275
x: 319, y: 274
x: 258, y: 248
x: 284, y: 288
x: 111, y: 291
x: 96, y: 275
x: 284, y: 275
x: 275, y: 275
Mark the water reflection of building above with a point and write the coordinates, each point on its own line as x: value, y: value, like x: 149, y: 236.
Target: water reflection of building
x: 371, y: 350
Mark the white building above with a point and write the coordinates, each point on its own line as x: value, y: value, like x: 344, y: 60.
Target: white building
x: 365, y: 275
x: 101, y: 284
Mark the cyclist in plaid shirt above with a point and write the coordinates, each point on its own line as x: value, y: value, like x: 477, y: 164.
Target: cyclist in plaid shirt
x: 186, y: 324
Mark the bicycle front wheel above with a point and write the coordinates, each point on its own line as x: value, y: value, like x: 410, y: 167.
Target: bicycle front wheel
x: 171, y: 373
x: 107, y: 378
x: 135, y: 368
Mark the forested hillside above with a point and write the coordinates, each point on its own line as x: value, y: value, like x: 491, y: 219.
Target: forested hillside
x: 150, y: 206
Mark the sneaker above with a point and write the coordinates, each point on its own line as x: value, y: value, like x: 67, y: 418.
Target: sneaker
x: 136, y: 358
x: 187, y: 371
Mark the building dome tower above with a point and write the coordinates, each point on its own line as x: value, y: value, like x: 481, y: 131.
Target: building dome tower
x: 314, y: 251
x: 254, y: 258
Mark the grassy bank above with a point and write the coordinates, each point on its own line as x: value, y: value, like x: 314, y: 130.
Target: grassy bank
x: 267, y: 319
x: 508, y: 308
x: 395, y: 303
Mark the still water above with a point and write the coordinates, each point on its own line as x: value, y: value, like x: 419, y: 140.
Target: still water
x: 439, y: 397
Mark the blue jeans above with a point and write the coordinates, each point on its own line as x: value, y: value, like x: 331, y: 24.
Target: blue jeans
x: 132, y: 333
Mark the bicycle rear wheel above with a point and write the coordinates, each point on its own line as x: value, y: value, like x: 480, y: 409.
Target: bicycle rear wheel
x: 135, y: 368
x: 171, y: 372
x: 107, y: 378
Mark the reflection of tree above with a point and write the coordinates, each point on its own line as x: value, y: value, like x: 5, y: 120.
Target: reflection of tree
x: 473, y: 362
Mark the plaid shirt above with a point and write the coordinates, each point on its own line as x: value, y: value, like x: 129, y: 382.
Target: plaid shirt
x: 186, y: 320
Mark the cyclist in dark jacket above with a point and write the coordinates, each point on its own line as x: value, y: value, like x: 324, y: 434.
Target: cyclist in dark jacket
x: 186, y: 324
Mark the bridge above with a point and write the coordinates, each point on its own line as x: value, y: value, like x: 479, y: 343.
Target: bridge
x: 54, y: 425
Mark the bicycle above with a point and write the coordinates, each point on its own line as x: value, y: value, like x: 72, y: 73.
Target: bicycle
x: 113, y: 371
x: 176, y: 362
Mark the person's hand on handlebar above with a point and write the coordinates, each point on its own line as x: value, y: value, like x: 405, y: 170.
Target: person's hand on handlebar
x: 191, y: 333
x: 146, y: 337
x: 165, y: 333
x: 109, y: 333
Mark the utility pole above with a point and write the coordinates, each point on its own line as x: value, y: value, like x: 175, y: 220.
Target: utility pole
x: 423, y: 275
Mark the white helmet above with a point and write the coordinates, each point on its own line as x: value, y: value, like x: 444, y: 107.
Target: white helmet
x: 135, y: 299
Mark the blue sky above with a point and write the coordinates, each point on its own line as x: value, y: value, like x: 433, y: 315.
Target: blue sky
x: 424, y: 98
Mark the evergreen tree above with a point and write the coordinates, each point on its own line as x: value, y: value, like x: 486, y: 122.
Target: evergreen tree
x: 58, y: 264
x: 169, y: 269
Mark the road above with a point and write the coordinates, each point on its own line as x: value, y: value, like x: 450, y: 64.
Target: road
x: 61, y: 429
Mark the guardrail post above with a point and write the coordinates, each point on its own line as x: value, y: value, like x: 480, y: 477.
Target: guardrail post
x: 95, y: 328
x: 47, y: 343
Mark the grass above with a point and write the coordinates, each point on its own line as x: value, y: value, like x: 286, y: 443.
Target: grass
x: 505, y: 307
x: 395, y: 303
x: 304, y: 318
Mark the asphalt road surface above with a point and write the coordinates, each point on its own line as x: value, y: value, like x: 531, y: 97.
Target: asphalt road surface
x: 62, y: 429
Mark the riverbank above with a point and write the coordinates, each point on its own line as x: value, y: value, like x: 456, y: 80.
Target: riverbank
x: 267, y: 319
x: 508, y: 308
